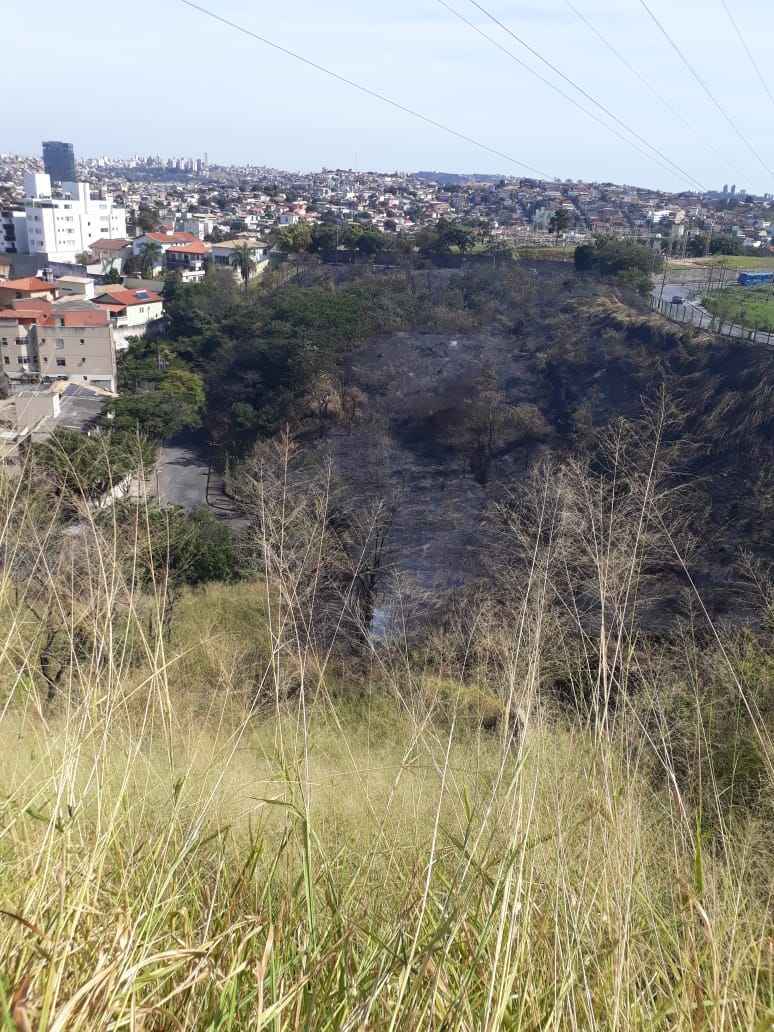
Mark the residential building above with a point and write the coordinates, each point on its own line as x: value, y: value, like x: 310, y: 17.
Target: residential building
x: 130, y: 311
x: 65, y: 223
x: 165, y: 239
x: 13, y: 231
x: 75, y: 286
x: 59, y: 161
x: 189, y: 259
x: 34, y: 411
x: 199, y: 226
x: 109, y: 255
x: 68, y: 340
x: 224, y: 255
x: 23, y: 289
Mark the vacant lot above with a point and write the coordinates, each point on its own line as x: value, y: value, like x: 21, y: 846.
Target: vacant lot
x: 749, y: 306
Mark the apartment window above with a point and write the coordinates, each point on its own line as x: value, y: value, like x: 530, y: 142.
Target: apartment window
x: 42, y: 340
x: 21, y: 359
x: 60, y: 343
x: 83, y: 340
x: 61, y: 362
x: 45, y: 358
x: 6, y: 359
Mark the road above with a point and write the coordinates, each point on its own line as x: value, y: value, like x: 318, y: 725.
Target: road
x: 181, y: 472
x: 181, y: 478
x: 692, y: 312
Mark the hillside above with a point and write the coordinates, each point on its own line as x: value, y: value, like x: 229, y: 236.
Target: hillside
x: 446, y: 736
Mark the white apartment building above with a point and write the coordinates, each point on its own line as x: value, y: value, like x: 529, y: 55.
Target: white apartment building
x: 67, y: 340
x: 64, y: 225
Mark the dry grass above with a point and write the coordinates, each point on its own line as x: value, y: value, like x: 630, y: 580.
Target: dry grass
x: 186, y: 844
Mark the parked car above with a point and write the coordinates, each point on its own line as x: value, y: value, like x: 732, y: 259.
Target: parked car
x: 677, y: 300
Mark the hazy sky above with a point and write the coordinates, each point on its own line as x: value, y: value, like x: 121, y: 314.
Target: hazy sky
x: 159, y: 77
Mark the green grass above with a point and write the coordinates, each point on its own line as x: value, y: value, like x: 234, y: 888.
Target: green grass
x: 748, y: 306
x: 732, y: 261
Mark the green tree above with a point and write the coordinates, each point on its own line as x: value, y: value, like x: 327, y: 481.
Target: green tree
x: 171, y: 546
x: 80, y: 467
x: 293, y: 239
x: 147, y: 220
x: 150, y: 258
x: 243, y: 261
x: 559, y: 222
x: 177, y: 403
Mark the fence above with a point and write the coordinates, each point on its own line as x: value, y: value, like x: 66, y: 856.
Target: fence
x: 698, y: 317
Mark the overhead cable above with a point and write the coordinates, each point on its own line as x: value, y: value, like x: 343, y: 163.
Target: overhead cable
x: 365, y: 89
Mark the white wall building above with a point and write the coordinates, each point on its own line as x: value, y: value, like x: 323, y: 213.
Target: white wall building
x: 64, y: 225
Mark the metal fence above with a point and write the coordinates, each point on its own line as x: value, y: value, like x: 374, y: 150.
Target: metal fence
x: 698, y: 317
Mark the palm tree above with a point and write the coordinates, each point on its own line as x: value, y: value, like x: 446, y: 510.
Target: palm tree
x: 242, y: 260
x: 152, y: 253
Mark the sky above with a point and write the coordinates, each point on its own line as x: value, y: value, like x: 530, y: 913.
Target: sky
x: 159, y: 77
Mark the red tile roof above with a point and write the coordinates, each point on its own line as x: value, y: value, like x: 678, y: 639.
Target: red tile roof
x: 172, y: 238
x: 124, y: 297
x: 105, y: 244
x: 195, y: 247
x: 74, y: 317
x: 32, y: 304
x: 30, y: 284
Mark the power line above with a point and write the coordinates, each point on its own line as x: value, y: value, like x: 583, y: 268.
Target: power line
x: 706, y: 89
x: 586, y: 94
x: 365, y: 89
x: 747, y: 51
x: 557, y: 89
x: 668, y: 106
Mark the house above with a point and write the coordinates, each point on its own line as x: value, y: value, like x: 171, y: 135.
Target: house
x: 68, y: 340
x: 225, y: 255
x: 164, y: 238
x: 25, y: 288
x: 130, y: 311
x: 189, y: 259
x: 34, y: 411
x: 75, y: 286
x: 109, y: 254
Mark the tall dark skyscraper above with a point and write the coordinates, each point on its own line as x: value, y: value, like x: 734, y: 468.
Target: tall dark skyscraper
x: 59, y: 161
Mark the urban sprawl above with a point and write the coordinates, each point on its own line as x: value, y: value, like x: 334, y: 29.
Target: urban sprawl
x: 86, y: 246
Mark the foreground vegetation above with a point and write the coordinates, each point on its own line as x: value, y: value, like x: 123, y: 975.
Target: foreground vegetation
x: 504, y: 815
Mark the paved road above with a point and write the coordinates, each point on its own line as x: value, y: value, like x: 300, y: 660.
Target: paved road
x: 181, y: 479
x: 181, y: 473
x: 692, y: 312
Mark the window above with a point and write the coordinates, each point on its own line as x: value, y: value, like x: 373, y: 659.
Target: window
x: 45, y: 358
x: 60, y: 343
x: 6, y: 359
x: 61, y: 362
x: 83, y: 340
x: 21, y: 359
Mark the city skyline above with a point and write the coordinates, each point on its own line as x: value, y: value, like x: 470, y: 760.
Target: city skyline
x: 427, y: 59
